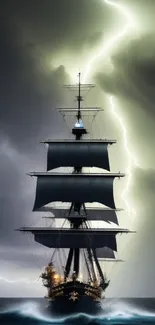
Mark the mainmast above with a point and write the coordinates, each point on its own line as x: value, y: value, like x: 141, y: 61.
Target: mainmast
x: 79, y: 99
x: 76, y: 206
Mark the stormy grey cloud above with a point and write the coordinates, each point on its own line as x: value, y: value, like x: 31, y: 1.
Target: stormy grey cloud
x: 138, y: 269
x: 30, y: 91
x: 132, y: 81
x: 133, y: 77
x: 33, y: 34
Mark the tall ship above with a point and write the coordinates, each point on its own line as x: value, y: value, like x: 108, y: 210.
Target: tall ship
x: 80, y: 284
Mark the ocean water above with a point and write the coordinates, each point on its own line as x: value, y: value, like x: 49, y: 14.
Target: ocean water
x: 115, y: 311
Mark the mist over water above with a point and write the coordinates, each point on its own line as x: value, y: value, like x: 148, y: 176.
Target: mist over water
x: 115, y: 311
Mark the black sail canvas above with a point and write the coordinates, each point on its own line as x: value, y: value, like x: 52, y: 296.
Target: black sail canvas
x: 105, y: 252
x: 67, y: 187
x: 77, y: 153
x: 76, y: 240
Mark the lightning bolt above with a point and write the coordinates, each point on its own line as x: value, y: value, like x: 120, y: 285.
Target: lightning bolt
x: 24, y: 280
x: 105, y: 49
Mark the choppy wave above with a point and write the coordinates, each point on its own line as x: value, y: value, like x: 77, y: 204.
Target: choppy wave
x: 114, y: 312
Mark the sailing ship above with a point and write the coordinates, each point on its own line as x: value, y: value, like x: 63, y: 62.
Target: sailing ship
x: 82, y: 245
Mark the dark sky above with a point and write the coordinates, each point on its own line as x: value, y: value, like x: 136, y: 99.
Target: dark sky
x: 41, y: 44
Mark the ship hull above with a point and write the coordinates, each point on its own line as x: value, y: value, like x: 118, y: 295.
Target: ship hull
x: 64, y: 307
x: 74, y: 297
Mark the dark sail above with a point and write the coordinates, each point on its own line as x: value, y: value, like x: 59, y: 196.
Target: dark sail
x: 71, y: 238
x: 78, y: 241
x: 107, y: 215
x: 75, y: 238
x: 105, y: 252
x: 75, y: 188
x: 73, y: 153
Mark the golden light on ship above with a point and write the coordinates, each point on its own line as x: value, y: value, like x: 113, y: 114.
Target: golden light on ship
x: 80, y: 277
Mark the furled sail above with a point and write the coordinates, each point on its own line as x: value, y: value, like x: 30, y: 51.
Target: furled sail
x: 107, y: 215
x: 73, y: 153
x: 74, y: 188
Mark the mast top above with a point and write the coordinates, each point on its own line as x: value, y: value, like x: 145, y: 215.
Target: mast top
x: 79, y: 99
x: 79, y: 129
